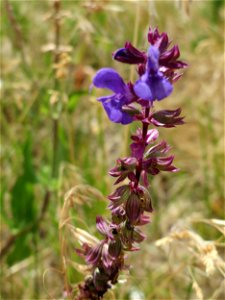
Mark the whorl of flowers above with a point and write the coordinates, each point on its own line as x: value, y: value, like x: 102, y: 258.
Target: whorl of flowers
x: 130, y: 204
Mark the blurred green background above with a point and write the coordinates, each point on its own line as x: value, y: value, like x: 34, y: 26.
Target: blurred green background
x: 55, y: 135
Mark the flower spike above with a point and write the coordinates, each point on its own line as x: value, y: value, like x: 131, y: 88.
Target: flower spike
x: 130, y: 205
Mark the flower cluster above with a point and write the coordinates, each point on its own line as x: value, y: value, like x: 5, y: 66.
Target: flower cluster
x: 130, y: 204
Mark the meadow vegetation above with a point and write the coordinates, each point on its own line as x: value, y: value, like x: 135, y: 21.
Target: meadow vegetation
x: 58, y: 145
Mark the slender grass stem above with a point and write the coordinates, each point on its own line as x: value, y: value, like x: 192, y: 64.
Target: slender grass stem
x: 132, y: 70
x: 18, y: 39
x: 55, y: 118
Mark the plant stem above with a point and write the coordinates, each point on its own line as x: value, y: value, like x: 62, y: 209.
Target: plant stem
x: 55, y: 119
x: 144, y: 133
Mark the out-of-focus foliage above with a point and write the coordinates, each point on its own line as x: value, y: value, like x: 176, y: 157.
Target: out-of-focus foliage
x: 36, y: 90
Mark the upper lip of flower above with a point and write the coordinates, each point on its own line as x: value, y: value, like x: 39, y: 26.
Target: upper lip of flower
x: 129, y: 54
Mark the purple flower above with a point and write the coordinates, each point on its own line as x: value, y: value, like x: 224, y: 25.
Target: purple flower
x: 113, y: 104
x: 167, y: 58
x: 153, y: 85
x: 129, y: 54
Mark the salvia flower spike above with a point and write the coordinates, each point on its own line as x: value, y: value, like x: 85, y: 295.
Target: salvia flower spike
x: 130, y: 204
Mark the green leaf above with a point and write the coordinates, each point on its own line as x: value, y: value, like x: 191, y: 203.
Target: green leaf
x: 23, y: 200
x: 73, y: 101
x: 20, y: 251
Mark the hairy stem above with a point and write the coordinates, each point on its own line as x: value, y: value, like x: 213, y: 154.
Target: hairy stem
x: 144, y: 133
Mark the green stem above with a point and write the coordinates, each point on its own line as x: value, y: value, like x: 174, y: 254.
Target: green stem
x: 55, y: 118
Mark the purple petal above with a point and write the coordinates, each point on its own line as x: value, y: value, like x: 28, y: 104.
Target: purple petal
x: 143, y: 91
x: 143, y: 219
x: 162, y: 147
x: 165, y: 161
x: 121, y: 192
x: 103, y: 227
x: 144, y: 177
x: 153, y: 59
x: 152, y: 135
x: 109, y: 79
x: 160, y: 87
x: 107, y: 259
x: 94, y: 254
x: 113, y: 107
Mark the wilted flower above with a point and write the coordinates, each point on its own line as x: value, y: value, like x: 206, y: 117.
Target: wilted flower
x: 145, y: 199
x: 140, y: 143
x: 154, y: 165
x: 166, y: 118
x: 99, y: 255
x: 125, y: 168
x: 118, y: 198
x: 130, y: 235
x: 94, y: 254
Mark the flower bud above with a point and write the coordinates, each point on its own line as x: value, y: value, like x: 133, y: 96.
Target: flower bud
x: 129, y: 54
x: 115, y: 248
x: 133, y: 207
x: 100, y: 280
